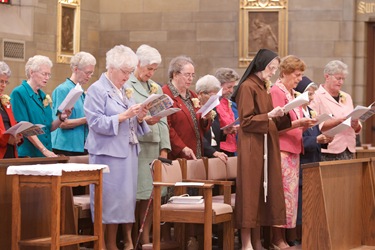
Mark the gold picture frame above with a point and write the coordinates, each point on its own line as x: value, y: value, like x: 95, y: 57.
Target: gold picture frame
x: 68, y: 29
x: 263, y: 24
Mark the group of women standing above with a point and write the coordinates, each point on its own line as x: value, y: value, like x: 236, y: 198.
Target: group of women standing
x: 282, y: 136
x: 123, y: 134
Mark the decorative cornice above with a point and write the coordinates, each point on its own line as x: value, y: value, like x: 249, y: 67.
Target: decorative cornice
x: 263, y: 3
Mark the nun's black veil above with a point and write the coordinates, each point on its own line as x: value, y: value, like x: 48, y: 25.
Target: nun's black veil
x: 259, y: 63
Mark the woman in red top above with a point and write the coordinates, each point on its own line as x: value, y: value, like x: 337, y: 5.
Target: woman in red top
x: 8, y: 142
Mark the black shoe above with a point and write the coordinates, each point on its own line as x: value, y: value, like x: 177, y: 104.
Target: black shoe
x: 294, y: 243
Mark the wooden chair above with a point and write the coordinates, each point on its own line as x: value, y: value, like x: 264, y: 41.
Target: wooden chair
x: 217, y: 170
x: 208, y: 213
x: 82, y: 212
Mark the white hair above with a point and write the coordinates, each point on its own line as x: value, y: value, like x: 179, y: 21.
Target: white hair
x: 121, y: 56
x: 207, y: 83
x: 34, y: 63
x: 148, y: 55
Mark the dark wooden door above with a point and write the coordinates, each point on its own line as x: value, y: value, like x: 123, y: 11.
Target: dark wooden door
x: 369, y: 125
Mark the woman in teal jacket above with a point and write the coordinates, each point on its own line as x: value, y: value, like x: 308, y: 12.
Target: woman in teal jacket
x: 31, y: 104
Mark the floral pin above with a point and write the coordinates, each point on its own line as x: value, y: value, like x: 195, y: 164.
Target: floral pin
x: 296, y: 94
x: 312, y: 114
x: 129, y: 92
x: 267, y: 84
x: 195, y: 102
x: 153, y: 88
x: 47, y: 100
x: 342, y: 97
x: 5, y: 101
x: 213, y: 114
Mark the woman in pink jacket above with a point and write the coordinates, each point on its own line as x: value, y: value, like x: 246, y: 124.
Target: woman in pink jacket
x: 330, y: 99
x: 291, y: 72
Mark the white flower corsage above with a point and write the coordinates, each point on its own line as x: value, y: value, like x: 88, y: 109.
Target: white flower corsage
x: 268, y: 84
x: 213, y: 114
x: 5, y: 100
x: 129, y: 92
x: 342, y: 97
x: 312, y: 114
x: 153, y: 88
x: 195, y: 102
x: 47, y: 100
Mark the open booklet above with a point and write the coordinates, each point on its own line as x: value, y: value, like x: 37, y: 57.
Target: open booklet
x: 298, y: 101
x: 339, y: 128
x: 322, y: 118
x: 26, y: 129
x: 362, y: 113
x: 71, y: 98
x: 236, y: 122
x: 211, y: 103
x: 160, y: 105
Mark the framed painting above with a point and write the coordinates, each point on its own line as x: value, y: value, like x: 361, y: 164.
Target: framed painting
x: 68, y: 29
x: 263, y: 24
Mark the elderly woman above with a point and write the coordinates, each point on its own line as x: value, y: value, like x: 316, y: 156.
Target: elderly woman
x: 258, y: 120
x: 31, y: 104
x: 186, y: 127
x: 205, y: 87
x: 228, y: 79
x: 330, y: 99
x: 291, y: 72
x: 114, y: 122
x: 8, y: 142
x: 69, y: 138
x: 313, y: 141
x: 154, y: 144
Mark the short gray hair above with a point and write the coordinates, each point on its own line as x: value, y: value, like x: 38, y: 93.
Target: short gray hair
x: 225, y: 75
x: 34, y: 63
x: 207, y: 84
x: 148, y: 55
x: 82, y: 59
x: 4, y: 69
x: 336, y: 67
x: 121, y: 56
x: 177, y: 63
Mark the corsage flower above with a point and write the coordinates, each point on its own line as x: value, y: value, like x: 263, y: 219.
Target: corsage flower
x: 296, y: 94
x: 153, y: 88
x: 195, y: 102
x: 47, y: 100
x: 129, y: 92
x: 267, y: 84
x: 342, y: 97
x: 5, y: 100
x: 213, y: 114
x: 312, y: 114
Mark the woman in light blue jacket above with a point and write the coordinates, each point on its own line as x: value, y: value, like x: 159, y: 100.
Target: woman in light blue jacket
x: 114, y: 122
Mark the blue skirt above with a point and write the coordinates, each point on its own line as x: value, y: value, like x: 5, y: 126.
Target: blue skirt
x: 119, y: 187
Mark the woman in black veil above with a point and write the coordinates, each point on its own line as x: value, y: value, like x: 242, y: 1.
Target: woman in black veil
x: 259, y: 188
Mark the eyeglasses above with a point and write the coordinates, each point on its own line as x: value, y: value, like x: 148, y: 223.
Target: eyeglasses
x: 188, y: 75
x: 127, y: 72
x: 88, y: 73
x: 4, y: 82
x: 45, y: 74
x: 339, y: 78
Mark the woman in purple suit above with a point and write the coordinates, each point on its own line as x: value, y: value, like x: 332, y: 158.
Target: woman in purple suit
x: 114, y: 122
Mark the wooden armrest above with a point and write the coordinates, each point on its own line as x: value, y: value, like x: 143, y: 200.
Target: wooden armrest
x: 163, y: 184
x: 215, y: 182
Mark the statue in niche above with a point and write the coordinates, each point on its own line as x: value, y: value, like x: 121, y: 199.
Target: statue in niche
x: 262, y: 35
x: 67, y: 30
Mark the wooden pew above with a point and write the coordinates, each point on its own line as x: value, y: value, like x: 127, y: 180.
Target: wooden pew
x: 338, y: 205
x: 365, y: 152
x: 35, y: 205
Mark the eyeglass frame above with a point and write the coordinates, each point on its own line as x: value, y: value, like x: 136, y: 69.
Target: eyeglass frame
x: 6, y: 82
